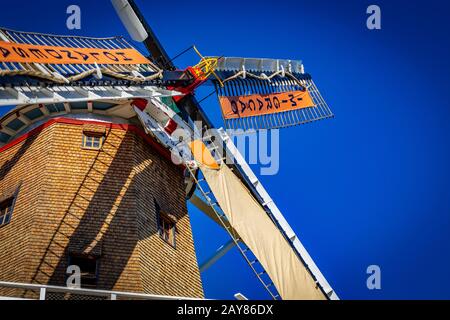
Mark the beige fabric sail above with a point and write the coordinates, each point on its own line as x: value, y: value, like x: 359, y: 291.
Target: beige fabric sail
x: 292, y: 280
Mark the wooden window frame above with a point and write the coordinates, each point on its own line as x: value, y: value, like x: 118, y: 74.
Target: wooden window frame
x: 167, y: 228
x: 7, y: 215
x: 92, y: 135
x: 95, y: 275
x: 6, y: 211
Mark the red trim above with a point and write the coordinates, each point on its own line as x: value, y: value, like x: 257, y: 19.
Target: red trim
x: 127, y: 127
x: 139, y: 103
x: 198, y: 78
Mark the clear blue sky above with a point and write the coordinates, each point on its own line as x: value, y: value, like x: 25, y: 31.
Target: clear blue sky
x: 371, y: 186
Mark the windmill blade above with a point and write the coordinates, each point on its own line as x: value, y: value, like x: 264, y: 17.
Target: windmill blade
x: 140, y: 31
x: 130, y: 20
x: 258, y: 223
x: 91, y: 74
x: 289, y: 275
x: 248, y: 214
x: 267, y: 94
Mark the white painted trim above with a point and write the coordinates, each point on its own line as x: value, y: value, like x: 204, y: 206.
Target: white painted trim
x: 45, y: 289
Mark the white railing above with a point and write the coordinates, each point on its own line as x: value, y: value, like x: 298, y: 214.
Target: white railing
x: 45, y: 290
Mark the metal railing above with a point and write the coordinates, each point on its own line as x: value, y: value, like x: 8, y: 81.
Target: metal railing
x: 47, y: 292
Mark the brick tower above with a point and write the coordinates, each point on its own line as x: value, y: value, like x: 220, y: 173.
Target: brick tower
x: 94, y: 191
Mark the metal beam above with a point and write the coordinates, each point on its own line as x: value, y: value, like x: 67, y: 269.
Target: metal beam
x: 67, y: 94
x: 206, y: 209
x: 45, y: 289
x: 240, y: 296
x: 219, y: 254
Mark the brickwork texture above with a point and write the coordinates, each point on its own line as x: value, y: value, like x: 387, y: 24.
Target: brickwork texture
x: 99, y: 203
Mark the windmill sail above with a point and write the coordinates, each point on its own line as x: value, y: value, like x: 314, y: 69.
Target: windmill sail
x: 267, y: 94
x: 291, y: 278
x: 276, y: 247
x: 68, y: 60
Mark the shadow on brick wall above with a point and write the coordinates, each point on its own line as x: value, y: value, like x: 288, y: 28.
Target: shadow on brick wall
x: 9, y: 164
x: 100, y: 222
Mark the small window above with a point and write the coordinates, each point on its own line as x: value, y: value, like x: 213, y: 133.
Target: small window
x: 6, y: 210
x: 89, y: 269
x: 167, y: 229
x: 92, y: 141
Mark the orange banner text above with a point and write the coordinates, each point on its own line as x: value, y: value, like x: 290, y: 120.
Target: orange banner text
x: 258, y: 105
x: 27, y: 53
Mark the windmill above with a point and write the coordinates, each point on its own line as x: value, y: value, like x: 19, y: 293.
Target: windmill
x: 47, y: 75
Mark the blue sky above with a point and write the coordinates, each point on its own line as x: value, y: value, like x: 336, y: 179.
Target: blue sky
x: 368, y: 187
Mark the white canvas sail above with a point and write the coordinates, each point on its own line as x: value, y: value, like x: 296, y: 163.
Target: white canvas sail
x: 289, y: 275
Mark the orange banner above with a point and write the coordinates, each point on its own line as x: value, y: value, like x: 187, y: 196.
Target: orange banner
x: 258, y: 105
x: 203, y: 155
x: 28, y: 53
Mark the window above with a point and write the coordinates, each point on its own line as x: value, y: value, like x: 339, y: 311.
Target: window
x: 93, y: 141
x: 167, y: 229
x: 6, y: 209
x: 89, y: 269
